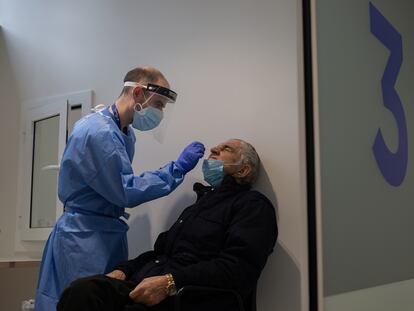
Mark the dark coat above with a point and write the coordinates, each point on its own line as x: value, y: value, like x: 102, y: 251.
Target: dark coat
x: 223, y: 240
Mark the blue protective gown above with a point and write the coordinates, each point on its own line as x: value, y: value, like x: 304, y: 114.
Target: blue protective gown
x: 96, y: 183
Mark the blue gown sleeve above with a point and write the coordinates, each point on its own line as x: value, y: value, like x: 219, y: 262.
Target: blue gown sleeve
x: 115, y: 180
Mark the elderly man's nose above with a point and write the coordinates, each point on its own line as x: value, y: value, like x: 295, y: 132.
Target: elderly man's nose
x: 215, y: 150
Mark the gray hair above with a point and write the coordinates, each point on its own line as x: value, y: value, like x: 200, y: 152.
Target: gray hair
x: 249, y: 156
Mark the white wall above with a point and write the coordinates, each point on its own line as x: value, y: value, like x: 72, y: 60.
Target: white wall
x: 391, y: 296
x: 236, y: 65
x: 9, y: 127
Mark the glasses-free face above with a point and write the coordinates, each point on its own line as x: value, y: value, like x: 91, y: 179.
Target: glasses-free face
x: 155, y: 95
x: 228, y: 152
x: 154, y: 100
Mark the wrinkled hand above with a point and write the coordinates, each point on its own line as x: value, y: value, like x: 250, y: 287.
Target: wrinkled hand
x: 117, y: 274
x: 188, y: 159
x: 150, y: 291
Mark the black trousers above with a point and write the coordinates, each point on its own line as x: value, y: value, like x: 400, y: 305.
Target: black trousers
x: 102, y: 293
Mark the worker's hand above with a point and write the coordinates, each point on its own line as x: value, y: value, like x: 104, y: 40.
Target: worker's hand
x: 150, y: 291
x: 117, y: 274
x: 188, y: 159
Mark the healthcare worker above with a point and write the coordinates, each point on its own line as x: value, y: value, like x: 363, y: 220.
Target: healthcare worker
x: 96, y: 183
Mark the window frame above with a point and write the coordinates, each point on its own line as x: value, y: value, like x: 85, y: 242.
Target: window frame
x: 36, y: 111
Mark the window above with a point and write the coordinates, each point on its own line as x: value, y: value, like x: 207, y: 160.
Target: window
x: 47, y: 127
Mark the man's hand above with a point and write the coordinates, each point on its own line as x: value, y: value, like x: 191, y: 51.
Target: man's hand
x: 150, y: 291
x: 117, y: 274
x: 188, y: 159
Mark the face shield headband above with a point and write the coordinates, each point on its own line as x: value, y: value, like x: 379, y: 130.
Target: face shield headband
x: 168, y: 94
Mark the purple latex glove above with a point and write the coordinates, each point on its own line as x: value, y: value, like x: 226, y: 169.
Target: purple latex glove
x: 188, y: 159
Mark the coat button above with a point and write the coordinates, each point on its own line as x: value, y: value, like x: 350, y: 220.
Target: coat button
x: 157, y: 261
x: 181, y: 221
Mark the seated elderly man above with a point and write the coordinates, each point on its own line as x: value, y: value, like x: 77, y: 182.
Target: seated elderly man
x: 221, y: 241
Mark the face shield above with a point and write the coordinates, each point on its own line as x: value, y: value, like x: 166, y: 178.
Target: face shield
x: 155, y: 113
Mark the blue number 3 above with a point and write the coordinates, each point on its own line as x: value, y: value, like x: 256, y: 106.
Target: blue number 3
x: 393, y: 166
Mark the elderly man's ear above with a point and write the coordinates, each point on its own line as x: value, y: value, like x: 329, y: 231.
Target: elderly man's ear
x: 243, y: 172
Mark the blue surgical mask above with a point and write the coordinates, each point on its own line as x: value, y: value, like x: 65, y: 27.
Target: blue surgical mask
x: 147, y: 118
x: 213, y: 171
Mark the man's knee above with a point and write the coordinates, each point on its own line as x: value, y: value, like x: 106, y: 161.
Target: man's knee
x: 87, y: 285
x: 81, y: 291
x: 135, y: 307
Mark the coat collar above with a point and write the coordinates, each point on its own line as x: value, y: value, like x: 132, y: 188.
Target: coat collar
x: 229, y: 184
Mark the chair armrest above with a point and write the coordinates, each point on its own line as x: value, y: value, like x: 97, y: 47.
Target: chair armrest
x: 192, y: 288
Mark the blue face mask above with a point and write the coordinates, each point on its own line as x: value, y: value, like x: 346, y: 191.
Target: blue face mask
x: 147, y: 118
x: 213, y: 171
